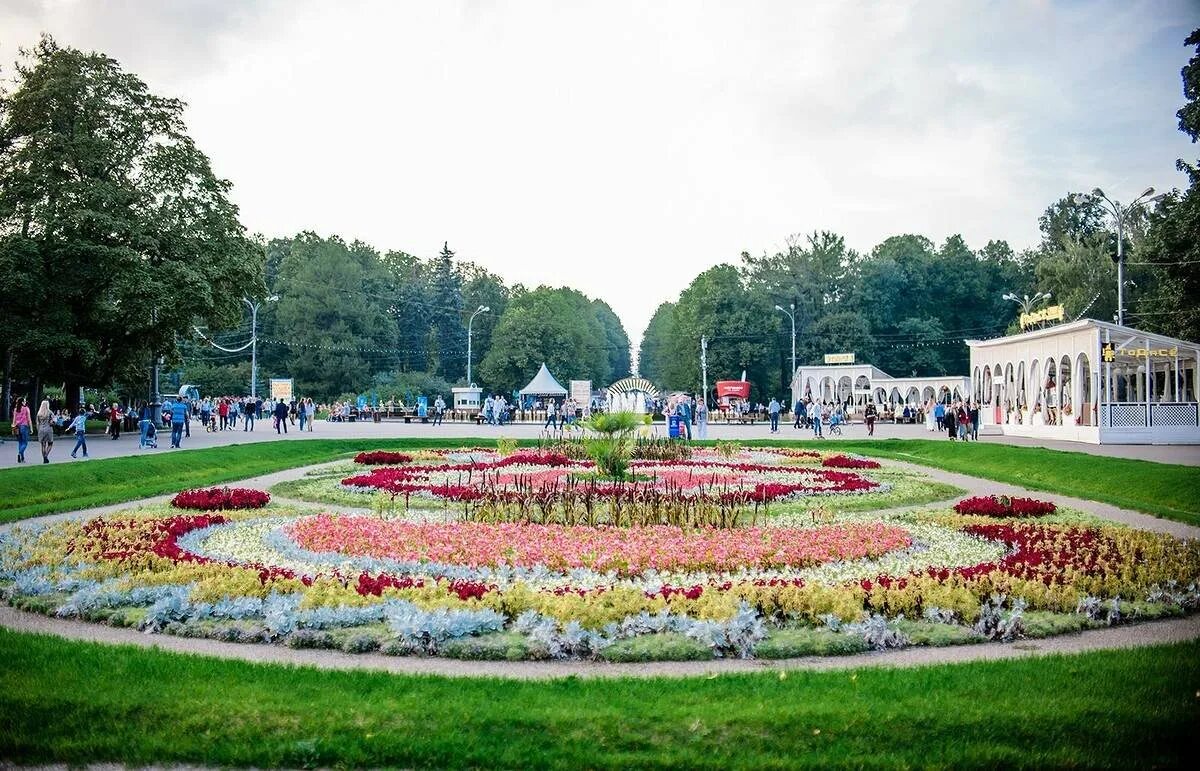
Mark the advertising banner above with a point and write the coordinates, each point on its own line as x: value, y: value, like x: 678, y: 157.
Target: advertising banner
x: 281, y: 389
x: 839, y: 358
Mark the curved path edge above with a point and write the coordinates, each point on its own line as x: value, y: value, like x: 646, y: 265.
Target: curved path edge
x: 1134, y: 635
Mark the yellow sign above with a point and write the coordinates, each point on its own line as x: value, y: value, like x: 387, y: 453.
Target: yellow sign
x: 1108, y: 353
x: 1162, y: 353
x: 1050, y: 313
x: 839, y: 358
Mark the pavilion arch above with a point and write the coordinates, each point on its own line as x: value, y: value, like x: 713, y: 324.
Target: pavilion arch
x: 845, y: 389
x: 928, y: 393
x: 1022, y: 385
x: 977, y: 384
x: 986, y: 394
x: 880, y: 396
x: 914, y: 396
x: 1085, y: 401
x: 895, y: 398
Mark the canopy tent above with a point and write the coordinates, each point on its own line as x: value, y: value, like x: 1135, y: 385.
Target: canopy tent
x: 543, y: 384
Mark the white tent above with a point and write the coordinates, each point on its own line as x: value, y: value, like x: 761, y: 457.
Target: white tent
x: 543, y: 384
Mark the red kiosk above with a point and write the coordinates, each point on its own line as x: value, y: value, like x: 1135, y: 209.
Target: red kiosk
x: 733, y: 399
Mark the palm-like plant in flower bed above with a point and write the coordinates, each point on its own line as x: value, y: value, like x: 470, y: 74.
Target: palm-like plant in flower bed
x: 612, y: 447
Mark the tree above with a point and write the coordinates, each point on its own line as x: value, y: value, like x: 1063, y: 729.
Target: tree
x: 616, y: 342
x: 558, y: 327
x: 1173, y: 240
x: 657, y: 340
x: 481, y: 287
x: 448, y: 342
x: 336, y: 332
x: 115, y: 235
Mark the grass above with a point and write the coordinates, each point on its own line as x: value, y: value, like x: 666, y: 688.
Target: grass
x: 1166, y: 490
x: 71, y: 702
x: 44, y: 489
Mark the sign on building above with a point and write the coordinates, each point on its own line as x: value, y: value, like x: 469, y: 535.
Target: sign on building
x: 839, y: 358
x: 1051, y: 313
x: 281, y: 389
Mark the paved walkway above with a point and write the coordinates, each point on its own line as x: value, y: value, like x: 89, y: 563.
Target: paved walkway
x: 100, y: 446
x: 1149, y: 633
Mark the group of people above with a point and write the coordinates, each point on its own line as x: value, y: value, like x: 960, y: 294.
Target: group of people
x: 47, y: 422
x: 959, y: 419
x: 808, y: 413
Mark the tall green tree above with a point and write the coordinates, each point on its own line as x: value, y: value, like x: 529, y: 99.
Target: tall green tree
x: 616, y: 341
x: 448, y: 341
x: 558, y: 327
x: 482, y: 288
x: 654, y: 352
x: 115, y: 234
x: 1173, y: 240
x: 332, y: 317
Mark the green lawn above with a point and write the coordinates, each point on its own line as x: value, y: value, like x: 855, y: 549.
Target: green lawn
x: 70, y: 702
x: 38, y: 489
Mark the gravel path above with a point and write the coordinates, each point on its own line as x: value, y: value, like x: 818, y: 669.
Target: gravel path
x: 1149, y: 633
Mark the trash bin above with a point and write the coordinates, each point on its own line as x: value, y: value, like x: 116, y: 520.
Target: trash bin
x: 674, y: 427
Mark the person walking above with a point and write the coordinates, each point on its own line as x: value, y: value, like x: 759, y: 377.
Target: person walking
x: 45, y: 429
x: 178, y: 418
x: 974, y: 415
x: 21, y: 427
x: 114, y: 420
x: 281, y: 416
x: 312, y: 413
x: 870, y: 413
x: 798, y: 413
x: 79, y: 426
x: 814, y: 413
x: 949, y: 422
x: 773, y: 410
x: 439, y: 410
x: 551, y: 415
x: 302, y: 413
x: 248, y: 412
x: 702, y: 417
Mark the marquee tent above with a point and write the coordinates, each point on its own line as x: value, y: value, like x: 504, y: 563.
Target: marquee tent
x: 543, y: 384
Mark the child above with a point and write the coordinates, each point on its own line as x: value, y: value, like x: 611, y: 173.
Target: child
x: 79, y: 426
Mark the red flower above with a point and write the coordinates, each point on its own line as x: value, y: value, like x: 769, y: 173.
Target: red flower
x: 221, y: 498
x: 1004, y: 506
x: 382, y: 458
x: 845, y: 461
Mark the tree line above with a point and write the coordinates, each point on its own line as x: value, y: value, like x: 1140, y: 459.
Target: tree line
x: 908, y: 304
x: 120, y: 249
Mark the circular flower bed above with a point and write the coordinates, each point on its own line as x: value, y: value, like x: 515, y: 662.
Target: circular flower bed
x: 1004, y: 506
x: 510, y: 547
x: 221, y: 499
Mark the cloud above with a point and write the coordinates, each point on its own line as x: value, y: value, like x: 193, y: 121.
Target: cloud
x: 623, y: 147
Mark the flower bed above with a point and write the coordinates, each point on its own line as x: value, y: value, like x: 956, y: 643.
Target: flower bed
x: 1004, y: 506
x: 515, y: 545
x: 846, y: 461
x: 624, y: 550
x: 382, y: 458
x: 221, y: 499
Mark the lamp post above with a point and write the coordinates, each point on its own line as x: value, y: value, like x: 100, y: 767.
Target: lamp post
x: 1119, y: 214
x: 1027, y: 303
x: 791, y: 314
x: 253, y: 306
x: 470, y: 321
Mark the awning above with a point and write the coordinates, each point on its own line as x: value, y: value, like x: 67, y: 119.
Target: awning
x: 543, y: 384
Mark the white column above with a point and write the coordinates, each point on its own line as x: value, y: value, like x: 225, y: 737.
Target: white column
x: 1149, y: 382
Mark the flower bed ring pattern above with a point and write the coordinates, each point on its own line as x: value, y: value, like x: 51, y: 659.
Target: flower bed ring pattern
x: 416, y: 582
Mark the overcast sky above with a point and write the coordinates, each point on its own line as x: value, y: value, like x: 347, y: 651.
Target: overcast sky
x: 623, y: 147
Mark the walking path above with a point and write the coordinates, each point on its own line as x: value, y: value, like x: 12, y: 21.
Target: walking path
x: 1149, y: 633
x: 100, y: 446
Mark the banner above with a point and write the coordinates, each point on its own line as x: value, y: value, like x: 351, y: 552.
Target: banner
x: 839, y: 358
x: 281, y: 389
x: 581, y: 392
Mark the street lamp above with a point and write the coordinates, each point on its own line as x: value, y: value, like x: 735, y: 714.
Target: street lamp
x: 1027, y: 303
x: 791, y: 314
x: 253, y: 306
x: 470, y: 321
x: 1119, y: 214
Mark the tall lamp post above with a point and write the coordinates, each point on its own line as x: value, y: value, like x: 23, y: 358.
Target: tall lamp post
x: 1120, y: 213
x: 791, y: 314
x: 479, y: 310
x: 253, y: 306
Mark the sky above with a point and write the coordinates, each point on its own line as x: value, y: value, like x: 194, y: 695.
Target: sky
x: 621, y: 148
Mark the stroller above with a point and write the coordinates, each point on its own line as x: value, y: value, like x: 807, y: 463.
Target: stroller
x: 151, y: 436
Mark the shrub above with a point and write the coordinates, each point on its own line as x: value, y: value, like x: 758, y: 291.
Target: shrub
x: 1004, y: 506
x: 221, y: 499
